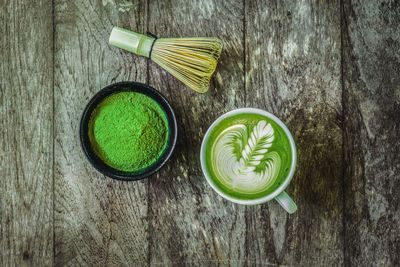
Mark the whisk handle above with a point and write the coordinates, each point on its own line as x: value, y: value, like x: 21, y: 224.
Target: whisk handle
x: 131, y: 41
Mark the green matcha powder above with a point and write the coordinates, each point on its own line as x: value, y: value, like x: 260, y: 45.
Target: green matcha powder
x: 129, y: 131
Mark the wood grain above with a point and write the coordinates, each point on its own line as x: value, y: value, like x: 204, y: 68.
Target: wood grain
x: 98, y: 221
x: 26, y: 142
x: 371, y: 95
x: 293, y: 70
x: 329, y: 69
x: 189, y: 224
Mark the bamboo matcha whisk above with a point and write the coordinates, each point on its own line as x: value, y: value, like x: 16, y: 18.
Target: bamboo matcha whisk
x: 192, y: 60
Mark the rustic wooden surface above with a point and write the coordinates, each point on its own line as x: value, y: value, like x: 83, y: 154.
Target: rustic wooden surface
x: 97, y: 221
x: 371, y: 128
x: 329, y: 69
x: 26, y: 141
x: 293, y: 62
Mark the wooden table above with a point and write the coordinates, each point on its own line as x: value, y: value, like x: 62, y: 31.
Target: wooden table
x: 329, y: 69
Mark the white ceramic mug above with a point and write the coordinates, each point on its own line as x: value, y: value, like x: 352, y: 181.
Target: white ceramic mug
x: 279, y: 194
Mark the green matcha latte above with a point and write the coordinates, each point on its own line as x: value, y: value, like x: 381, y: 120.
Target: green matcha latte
x: 247, y: 155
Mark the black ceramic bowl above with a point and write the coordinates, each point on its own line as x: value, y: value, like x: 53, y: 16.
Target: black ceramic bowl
x: 84, y: 130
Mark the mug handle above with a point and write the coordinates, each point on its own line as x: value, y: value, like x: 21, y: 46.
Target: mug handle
x: 286, y: 202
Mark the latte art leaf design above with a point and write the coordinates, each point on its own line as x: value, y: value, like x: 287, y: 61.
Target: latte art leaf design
x: 260, y: 140
x: 244, y: 162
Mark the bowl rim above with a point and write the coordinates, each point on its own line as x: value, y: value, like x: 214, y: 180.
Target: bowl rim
x: 99, y: 164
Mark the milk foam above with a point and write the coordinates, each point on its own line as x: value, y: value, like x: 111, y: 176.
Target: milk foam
x: 243, y: 161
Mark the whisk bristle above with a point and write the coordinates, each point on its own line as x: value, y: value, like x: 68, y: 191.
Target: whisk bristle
x: 191, y: 60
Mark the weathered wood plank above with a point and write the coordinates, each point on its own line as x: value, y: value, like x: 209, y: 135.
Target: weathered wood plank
x: 98, y: 221
x: 293, y: 70
x: 291, y: 57
x: 371, y: 68
x: 26, y: 150
x: 190, y: 224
